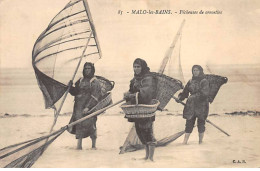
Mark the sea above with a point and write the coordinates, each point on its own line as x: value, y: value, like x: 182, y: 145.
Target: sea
x: 20, y: 93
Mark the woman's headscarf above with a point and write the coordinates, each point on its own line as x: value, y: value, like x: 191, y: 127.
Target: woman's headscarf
x: 201, y: 75
x: 144, y: 68
x: 92, y: 70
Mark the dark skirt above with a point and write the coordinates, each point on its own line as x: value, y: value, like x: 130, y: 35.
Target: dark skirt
x: 144, y: 130
x: 150, y: 119
x: 85, y: 128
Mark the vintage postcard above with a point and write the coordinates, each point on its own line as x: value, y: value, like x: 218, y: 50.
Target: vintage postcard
x: 129, y: 84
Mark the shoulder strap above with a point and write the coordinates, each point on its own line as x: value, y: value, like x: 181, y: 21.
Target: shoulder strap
x: 204, y: 79
x: 92, y: 79
x: 80, y: 79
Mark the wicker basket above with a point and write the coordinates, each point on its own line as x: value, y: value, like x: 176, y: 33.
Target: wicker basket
x: 140, y: 110
x: 166, y: 88
x: 105, y: 84
x: 215, y: 82
x: 106, y: 100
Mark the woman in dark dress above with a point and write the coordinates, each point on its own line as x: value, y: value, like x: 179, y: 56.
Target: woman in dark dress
x: 87, y: 92
x: 143, y: 88
x: 197, y: 105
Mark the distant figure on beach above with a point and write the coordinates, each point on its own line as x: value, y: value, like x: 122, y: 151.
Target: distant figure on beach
x: 87, y: 92
x: 197, y: 105
x: 143, y: 90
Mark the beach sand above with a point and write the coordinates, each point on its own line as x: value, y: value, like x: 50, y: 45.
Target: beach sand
x: 240, y: 150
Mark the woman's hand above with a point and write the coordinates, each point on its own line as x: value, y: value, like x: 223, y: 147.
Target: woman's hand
x: 193, y: 97
x: 70, y: 83
x: 177, y: 99
x: 180, y: 98
x: 128, y: 95
x: 85, y: 110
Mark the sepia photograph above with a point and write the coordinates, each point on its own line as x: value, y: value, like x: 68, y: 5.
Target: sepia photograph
x: 129, y: 84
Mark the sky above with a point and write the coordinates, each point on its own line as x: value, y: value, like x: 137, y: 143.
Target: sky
x: 228, y: 38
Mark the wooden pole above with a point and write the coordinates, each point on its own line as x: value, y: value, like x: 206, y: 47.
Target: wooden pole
x: 206, y: 119
x: 86, y: 117
x: 69, y: 85
x: 61, y: 130
x: 166, y: 58
x: 93, y: 32
x: 217, y: 127
x: 94, y: 113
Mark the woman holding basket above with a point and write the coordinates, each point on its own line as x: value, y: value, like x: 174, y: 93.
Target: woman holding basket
x: 142, y: 91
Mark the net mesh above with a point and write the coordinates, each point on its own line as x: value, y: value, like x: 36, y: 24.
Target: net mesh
x: 24, y: 155
x: 58, y: 49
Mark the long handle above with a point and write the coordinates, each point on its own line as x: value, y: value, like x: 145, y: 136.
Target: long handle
x: 206, y: 119
x: 33, y: 141
x: 94, y: 113
x: 69, y: 85
x: 217, y: 127
x: 175, y: 98
x: 167, y: 56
